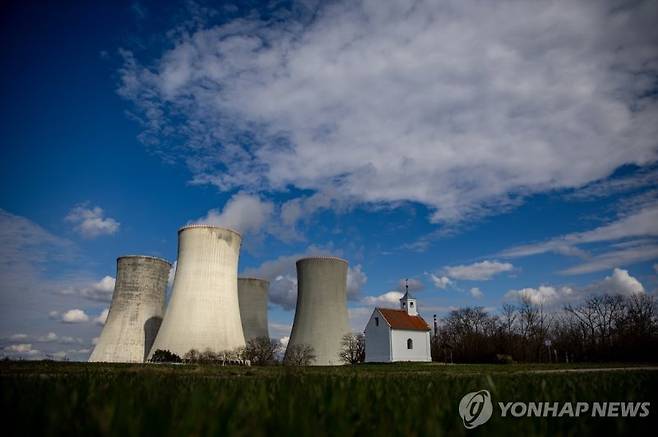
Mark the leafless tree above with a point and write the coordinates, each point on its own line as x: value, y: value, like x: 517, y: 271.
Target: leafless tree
x: 261, y: 351
x: 299, y: 355
x: 353, y: 348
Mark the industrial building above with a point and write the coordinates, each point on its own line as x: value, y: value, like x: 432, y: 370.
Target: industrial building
x: 252, y: 294
x: 136, y: 310
x: 321, y: 318
x: 398, y: 335
x: 204, y: 311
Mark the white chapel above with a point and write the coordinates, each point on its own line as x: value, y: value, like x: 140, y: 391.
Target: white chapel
x: 398, y: 335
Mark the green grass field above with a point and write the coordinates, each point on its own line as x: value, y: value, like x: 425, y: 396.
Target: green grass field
x: 406, y: 399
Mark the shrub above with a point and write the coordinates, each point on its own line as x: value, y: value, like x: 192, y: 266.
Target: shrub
x: 299, y: 355
x: 261, y: 351
x: 165, y: 356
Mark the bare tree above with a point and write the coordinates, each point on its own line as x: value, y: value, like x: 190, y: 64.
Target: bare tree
x: 299, y: 355
x: 261, y: 351
x: 509, y: 316
x: 353, y: 348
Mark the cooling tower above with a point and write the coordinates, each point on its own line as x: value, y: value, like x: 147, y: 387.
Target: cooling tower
x: 252, y: 293
x: 135, y: 312
x: 321, y: 314
x: 203, y: 311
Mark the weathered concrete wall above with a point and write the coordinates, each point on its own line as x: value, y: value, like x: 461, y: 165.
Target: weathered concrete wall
x: 321, y: 318
x: 252, y: 293
x: 136, y: 310
x: 204, y: 311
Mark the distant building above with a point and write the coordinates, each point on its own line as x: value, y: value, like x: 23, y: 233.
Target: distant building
x: 398, y: 335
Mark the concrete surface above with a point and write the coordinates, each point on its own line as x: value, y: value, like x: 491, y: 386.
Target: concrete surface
x: 135, y: 312
x: 321, y: 318
x: 252, y: 294
x: 204, y: 312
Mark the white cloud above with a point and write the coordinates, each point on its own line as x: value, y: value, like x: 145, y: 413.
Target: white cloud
x: 244, y: 213
x: 356, y: 279
x: 642, y: 222
x: 98, y: 290
x: 24, y: 349
x: 52, y: 337
x: 541, y: 295
x: 480, y: 271
x: 102, y: 317
x: 489, y: 109
x: 476, y: 292
x: 18, y: 337
x: 388, y: 299
x: 612, y: 258
x: 75, y: 316
x: 91, y: 223
x: 619, y: 282
x: 283, y: 341
x: 440, y: 281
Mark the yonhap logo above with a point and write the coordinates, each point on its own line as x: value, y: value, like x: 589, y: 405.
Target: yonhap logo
x: 475, y: 408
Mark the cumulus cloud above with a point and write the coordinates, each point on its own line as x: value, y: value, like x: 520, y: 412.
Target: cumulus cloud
x: 99, y: 290
x: 21, y: 349
x: 102, y: 317
x: 356, y: 279
x: 90, y: 222
x: 52, y: 337
x: 476, y: 292
x: 541, y: 295
x: 74, y: 316
x: 282, y: 274
x: 440, y: 281
x: 244, y: 213
x: 619, y: 282
x: 489, y: 109
x: 480, y: 271
x: 388, y: 299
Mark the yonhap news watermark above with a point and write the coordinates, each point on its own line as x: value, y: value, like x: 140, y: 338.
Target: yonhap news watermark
x: 477, y: 407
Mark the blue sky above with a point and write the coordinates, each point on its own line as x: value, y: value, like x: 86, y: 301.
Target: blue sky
x: 483, y: 156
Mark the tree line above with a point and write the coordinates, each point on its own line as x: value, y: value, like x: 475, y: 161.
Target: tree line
x: 600, y: 328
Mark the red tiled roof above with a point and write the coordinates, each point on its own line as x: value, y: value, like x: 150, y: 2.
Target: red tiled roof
x: 399, y: 319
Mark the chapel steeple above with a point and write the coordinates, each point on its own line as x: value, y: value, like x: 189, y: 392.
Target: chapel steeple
x: 408, y: 302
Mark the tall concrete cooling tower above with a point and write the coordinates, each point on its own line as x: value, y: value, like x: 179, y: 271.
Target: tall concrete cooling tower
x: 253, y: 307
x: 321, y: 314
x: 203, y: 311
x: 135, y: 312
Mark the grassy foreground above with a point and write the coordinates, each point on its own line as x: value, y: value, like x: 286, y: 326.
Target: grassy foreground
x: 406, y: 399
